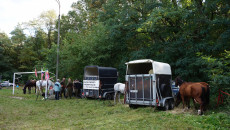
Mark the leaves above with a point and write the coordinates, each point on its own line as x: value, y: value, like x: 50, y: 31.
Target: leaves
x: 192, y: 36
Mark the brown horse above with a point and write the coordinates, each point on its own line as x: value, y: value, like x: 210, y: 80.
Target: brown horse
x: 29, y: 84
x: 198, y: 91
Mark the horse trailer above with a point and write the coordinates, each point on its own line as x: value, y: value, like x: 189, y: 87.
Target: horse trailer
x: 149, y: 83
x: 99, y: 82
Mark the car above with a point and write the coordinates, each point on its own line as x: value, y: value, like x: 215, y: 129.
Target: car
x: 6, y: 84
x: 175, y: 89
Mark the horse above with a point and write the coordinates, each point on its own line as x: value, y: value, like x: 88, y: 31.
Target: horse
x: 207, y: 90
x: 29, y: 84
x: 69, y: 89
x: 41, y: 84
x: 198, y: 91
x: 118, y: 89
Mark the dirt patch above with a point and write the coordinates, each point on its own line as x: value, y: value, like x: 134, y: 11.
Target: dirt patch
x: 179, y: 110
x: 17, y: 97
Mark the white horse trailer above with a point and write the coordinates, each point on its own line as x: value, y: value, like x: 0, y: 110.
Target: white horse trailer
x: 149, y: 83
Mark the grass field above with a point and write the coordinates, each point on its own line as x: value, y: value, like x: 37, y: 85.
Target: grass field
x: 21, y: 111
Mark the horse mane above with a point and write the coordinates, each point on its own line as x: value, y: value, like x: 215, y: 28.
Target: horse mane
x: 179, y: 81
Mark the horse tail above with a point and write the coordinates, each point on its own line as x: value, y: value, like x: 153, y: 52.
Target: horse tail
x: 203, y: 96
x: 207, y: 95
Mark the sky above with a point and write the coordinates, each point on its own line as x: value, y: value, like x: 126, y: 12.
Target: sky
x: 13, y: 12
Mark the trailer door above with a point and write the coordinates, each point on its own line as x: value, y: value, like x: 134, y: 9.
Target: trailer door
x: 140, y: 89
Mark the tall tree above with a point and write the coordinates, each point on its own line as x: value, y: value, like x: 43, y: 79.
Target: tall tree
x: 48, y: 19
x: 5, y: 56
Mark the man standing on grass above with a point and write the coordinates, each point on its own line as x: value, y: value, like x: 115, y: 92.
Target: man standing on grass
x: 57, y: 88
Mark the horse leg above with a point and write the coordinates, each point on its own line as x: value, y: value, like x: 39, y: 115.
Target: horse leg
x: 200, y: 112
x: 115, y: 95
x: 37, y: 96
x: 119, y: 96
x: 194, y: 103
x: 182, y: 97
x: 188, y: 103
x: 29, y: 88
x: 38, y: 92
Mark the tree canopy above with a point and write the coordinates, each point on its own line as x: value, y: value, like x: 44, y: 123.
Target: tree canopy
x: 191, y: 35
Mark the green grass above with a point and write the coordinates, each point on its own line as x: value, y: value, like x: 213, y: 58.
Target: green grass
x: 26, y: 113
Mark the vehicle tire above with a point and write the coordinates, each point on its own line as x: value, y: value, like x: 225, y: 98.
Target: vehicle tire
x: 166, y: 107
x: 171, y: 104
x: 108, y: 96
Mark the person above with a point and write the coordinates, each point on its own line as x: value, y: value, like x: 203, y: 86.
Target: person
x: 57, y: 88
x: 100, y: 89
x: 51, y: 91
x: 63, y: 87
x: 77, y: 87
x: 69, y: 88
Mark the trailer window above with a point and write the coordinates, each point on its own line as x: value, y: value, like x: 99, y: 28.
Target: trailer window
x: 141, y: 68
x: 91, y: 72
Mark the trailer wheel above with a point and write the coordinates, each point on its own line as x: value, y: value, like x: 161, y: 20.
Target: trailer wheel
x: 166, y: 107
x: 132, y: 106
x: 108, y: 96
x: 171, y: 104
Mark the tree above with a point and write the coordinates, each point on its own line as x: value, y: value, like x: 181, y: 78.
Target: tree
x: 48, y: 20
x: 5, y: 56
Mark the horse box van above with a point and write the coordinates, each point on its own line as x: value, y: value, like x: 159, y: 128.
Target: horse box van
x: 99, y: 82
x: 149, y: 83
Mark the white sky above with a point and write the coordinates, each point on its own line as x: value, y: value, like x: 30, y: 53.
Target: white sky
x: 13, y: 12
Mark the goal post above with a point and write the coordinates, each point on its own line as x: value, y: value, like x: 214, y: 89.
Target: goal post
x: 19, y: 73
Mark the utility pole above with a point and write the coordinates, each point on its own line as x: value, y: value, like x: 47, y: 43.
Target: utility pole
x: 58, y: 41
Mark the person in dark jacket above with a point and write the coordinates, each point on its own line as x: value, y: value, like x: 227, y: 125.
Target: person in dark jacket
x: 63, y: 88
x: 77, y: 87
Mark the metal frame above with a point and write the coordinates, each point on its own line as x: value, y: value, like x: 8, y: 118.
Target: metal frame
x: 142, y: 101
x: 155, y: 93
x: 19, y: 73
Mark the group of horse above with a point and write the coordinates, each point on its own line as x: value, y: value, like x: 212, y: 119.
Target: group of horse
x: 68, y: 89
x: 197, y: 91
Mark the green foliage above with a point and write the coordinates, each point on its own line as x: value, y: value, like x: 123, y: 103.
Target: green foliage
x: 21, y: 111
x: 186, y: 34
x: 6, y: 58
x: 219, y: 73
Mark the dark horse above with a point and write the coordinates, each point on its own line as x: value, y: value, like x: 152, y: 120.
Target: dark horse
x: 29, y: 84
x: 198, y: 91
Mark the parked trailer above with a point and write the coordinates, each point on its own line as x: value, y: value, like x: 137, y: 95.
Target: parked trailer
x: 99, y: 82
x: 149, y: 83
